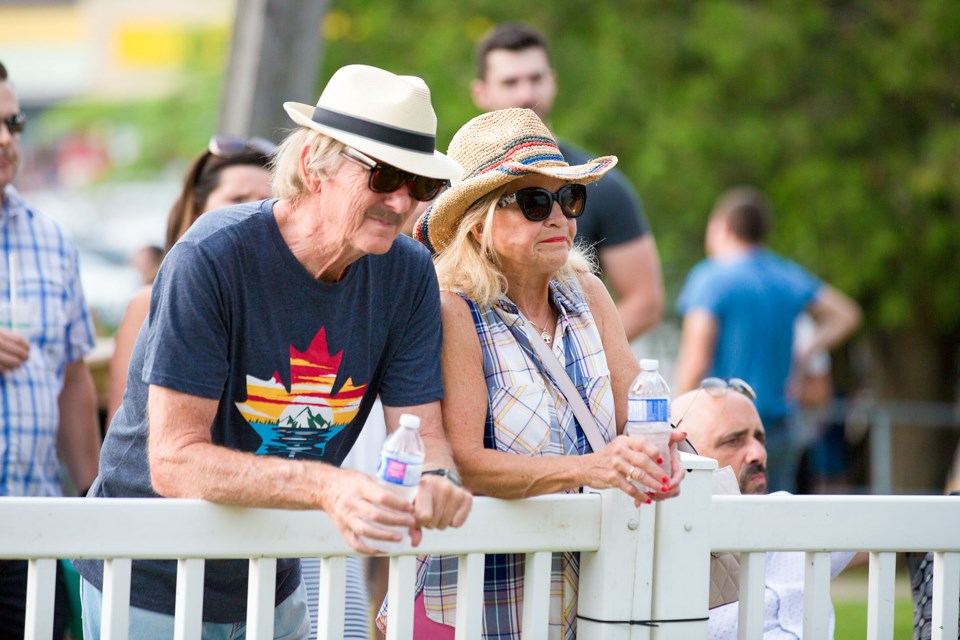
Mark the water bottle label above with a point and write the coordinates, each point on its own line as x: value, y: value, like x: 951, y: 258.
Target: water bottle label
x: 396, y: 470
x: 648, y: 410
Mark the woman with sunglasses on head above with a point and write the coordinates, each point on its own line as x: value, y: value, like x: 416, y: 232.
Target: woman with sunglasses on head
x: 510, y: 276
x: 230, y: 171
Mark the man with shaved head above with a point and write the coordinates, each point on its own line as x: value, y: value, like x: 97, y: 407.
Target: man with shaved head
x: 722, y: 422
x: 726, y: 427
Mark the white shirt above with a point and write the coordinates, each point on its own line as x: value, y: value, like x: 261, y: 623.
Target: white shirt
x: 783, y: 599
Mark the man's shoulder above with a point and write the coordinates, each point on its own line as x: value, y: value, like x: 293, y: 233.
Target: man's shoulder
x: 784, y: 268
x: 405, y: 253
x: 47, y: 226
x: 614, y: 182
x: 212, y: 223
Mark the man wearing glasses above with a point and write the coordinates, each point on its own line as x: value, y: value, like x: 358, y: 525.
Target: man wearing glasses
x: 273, y: 326
x: 47, y: 399
x: 722, y: 422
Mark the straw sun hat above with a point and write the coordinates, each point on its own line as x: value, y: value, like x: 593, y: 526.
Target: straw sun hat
x: 494, y: 149
x: 381, y: 114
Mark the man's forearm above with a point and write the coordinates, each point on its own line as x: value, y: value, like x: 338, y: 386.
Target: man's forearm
x: 640, y: 314
x: 78, y: 435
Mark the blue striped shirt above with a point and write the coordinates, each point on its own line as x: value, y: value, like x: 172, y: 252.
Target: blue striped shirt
x: 41, y: 299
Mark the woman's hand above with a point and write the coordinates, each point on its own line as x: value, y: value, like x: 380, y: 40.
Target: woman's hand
x: 677, y: 471
x: 629, y: 464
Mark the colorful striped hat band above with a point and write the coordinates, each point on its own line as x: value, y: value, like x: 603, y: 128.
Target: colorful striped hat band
x: 494, y: 149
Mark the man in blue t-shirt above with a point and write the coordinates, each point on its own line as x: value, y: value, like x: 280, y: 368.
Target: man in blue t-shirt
x: 513, y: 70
x: 739, y: 307
x: 273, y: 326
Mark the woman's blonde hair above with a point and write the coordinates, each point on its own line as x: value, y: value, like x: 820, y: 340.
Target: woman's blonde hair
x: 470, y: 264
x: 323, y: 158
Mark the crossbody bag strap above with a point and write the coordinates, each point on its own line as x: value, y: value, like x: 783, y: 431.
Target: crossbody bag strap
x: 587, y: 422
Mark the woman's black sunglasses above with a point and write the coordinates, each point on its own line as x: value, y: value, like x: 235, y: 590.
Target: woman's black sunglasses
x: 385, y: 178
x: 15, y: 123
x: 536, y: 203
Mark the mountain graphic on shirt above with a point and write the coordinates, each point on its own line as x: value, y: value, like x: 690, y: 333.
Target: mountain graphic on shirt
x: 299, y: 420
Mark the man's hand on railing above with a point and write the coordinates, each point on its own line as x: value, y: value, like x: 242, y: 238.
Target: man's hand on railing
x: 439, y: 504
x: 362, y: 510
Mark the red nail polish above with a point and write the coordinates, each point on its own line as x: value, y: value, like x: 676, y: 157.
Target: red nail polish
x: 664, y: 479
x: 659, y: 460
x: 649, y: 500
x: 664, y: 488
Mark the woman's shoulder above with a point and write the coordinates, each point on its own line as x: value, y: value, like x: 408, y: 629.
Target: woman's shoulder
x: 454, y: 304
x: 583, y: 288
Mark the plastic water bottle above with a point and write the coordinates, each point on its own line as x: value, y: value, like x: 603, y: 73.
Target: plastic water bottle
x: 401, y: 462
x: 648, y: 410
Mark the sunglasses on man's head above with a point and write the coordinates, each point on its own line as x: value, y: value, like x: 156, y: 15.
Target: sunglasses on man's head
x: 717, y: 388
x: 536, y: 203
x: 385, y: 178
x: 226, y: 146
x: 15, y: 123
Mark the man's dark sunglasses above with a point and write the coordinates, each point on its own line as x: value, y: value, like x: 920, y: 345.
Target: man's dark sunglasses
x: 15, y: 123
x: 226, y: 146
x: 536, y: 203
x: 385, y: 178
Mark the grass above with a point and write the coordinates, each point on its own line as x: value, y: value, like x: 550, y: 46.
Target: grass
x: 849, y: 595
x: 852, y: 619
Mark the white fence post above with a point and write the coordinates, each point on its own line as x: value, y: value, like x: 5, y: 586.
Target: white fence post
x: 609, y: 576
x: 816, y: 595
x: 946, y: 591
x: 681, y: 563
x: 648, y: 557
x: 41, y: 584
x: 115, y: 616
x: 189, y: 599
x: 261, y: 596
x: 881, y: 595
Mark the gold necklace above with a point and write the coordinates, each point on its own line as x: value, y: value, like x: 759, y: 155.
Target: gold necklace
x: 544, y: 335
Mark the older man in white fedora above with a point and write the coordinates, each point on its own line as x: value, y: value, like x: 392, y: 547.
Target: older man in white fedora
x: 273, y: 326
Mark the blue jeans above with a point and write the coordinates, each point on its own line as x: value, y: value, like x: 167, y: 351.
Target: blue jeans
x: 291, y: 620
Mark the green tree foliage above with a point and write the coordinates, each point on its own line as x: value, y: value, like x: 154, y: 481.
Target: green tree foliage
x: 844, y: 113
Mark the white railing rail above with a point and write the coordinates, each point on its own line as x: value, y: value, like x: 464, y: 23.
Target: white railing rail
x: 638, y: 567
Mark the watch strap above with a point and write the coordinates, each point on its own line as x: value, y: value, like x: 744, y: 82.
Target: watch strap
x: 446, y: 473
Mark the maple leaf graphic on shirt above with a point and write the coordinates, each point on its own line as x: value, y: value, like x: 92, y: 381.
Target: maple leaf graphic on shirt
x: 302, y: 419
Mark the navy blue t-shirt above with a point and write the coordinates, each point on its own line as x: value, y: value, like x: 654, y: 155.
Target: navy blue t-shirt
x: 614, y: 213
x: 295, y: 364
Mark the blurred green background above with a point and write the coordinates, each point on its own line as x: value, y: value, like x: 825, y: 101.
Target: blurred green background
x: 844, y: 112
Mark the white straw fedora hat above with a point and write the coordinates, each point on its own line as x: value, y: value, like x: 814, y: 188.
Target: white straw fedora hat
x: 381, y: 114
x: 496, y: 148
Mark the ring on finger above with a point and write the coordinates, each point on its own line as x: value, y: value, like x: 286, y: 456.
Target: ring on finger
x: 632, y: 470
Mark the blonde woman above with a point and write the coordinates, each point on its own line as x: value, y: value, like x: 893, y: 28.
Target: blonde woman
x: 503, y: 242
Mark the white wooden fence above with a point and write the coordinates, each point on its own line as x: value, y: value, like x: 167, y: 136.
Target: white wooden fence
x: 637, y: 566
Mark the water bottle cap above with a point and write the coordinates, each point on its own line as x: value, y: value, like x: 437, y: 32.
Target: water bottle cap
x: 649, y: 364
x: 409, y: 420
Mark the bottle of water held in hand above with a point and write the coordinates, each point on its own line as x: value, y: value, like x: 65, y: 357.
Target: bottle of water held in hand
x: 648, y: 410
x: 401, y: 462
